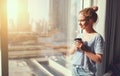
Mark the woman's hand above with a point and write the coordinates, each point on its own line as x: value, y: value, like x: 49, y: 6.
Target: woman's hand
x: 80, y: 45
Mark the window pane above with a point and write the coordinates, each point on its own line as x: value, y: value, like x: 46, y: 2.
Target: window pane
x: 37, y: 37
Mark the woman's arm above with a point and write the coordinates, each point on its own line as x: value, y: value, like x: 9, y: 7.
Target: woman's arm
x: 77, y: 44
x: 95, y: 57
x: 72, y: 50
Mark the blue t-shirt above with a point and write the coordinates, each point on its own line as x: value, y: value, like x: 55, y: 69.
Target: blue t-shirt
x: 95, y: 45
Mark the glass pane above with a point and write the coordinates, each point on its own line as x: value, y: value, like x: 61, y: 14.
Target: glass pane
x: 39, y: 34
x: 37, y: 37
x: 88, y: 3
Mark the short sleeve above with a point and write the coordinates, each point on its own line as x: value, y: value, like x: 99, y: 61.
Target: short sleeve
x: 99, y: 44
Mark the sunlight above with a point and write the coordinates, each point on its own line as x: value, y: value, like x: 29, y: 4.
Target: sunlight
x: 12, y: 9
x: 35, y: 12
x: 38, y: 9
x: 21, y: 13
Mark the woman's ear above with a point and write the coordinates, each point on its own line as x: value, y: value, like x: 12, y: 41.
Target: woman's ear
x: 90, y: 21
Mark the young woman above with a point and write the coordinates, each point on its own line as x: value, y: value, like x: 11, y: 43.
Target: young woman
x: 88, y: 50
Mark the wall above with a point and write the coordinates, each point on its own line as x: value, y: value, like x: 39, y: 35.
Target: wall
x: 100, y: 27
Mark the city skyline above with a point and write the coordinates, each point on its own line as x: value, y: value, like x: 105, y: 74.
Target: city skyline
x: 37, y: 9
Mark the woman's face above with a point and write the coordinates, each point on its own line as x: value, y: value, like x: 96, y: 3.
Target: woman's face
x: 82, y: 21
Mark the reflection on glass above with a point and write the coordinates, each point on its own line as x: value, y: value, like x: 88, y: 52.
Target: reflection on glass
x: 37, y: 37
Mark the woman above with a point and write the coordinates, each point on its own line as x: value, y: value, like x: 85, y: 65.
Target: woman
x: 88, y: 50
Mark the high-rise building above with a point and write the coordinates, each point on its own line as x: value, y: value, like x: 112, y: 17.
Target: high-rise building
x: 58, y: 14
x: 23, y: 17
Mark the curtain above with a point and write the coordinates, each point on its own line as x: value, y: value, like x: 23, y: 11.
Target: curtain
x: 112, y: 30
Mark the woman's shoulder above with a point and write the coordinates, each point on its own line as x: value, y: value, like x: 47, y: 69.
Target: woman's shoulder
x: 98, y: 36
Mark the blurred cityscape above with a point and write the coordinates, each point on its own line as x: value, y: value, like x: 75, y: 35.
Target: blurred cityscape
x: 37, y: 46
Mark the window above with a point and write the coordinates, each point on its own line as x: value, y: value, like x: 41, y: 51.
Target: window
x: 39, y: 33
x: 37, y: 37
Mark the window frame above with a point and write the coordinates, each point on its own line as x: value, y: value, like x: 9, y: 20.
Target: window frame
x: 4, y: 38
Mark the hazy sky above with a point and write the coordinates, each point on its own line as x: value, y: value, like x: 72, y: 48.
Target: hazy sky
x: 38, y: 9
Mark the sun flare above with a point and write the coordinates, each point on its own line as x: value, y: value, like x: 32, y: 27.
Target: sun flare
x: 24, y: 12
x: 12, y: 9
